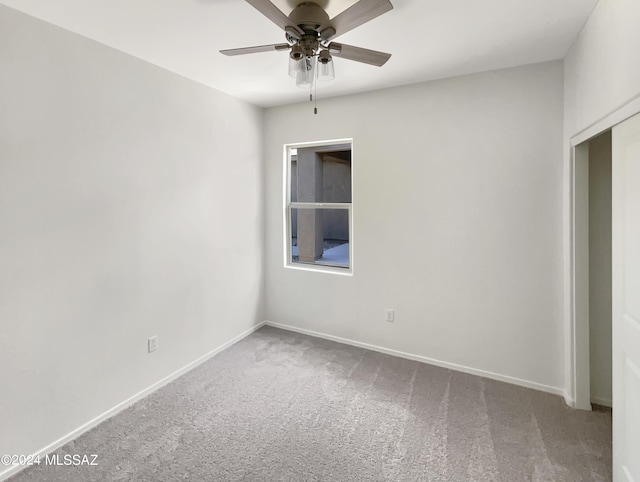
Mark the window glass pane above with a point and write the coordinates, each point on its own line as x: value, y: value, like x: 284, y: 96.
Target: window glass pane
x: 321, y: 174
x: 320, y: 237
x: 336, y: 179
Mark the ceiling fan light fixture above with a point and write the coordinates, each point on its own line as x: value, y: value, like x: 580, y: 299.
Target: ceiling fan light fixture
x: 305, y: 76
x: 296, y: 52
x: 296, y: 66
x: 325, y: 69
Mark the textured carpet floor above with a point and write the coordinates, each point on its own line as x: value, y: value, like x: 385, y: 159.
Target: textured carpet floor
x: 279, y: 406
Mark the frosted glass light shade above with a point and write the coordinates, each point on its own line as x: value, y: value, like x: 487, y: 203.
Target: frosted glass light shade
x: 326, y: 70
x: 305, y: 76
x: 296, y: 66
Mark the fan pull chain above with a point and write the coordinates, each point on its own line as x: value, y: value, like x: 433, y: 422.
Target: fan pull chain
x: 315, y: 105
x: 315, y: 111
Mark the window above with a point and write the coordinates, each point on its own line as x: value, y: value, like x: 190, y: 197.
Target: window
x: 318, y: 206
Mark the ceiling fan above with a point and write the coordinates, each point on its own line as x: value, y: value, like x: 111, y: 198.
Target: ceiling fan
x: 308, y: 32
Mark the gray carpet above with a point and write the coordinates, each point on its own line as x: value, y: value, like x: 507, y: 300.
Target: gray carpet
x: 279, y: 406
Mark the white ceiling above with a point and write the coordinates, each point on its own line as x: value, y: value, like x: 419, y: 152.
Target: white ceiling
x: 429, y: 39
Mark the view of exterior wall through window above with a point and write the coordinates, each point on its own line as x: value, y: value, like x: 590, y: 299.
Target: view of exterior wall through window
x: 319, y: 206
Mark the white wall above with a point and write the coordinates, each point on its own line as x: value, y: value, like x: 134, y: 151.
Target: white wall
x: 600, y: 268
x: 601, y: 68
x: 601, y: 75
x: 130, y: 206
x: 458, y: 222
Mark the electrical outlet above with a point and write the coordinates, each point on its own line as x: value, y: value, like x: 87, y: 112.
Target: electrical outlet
x: 390, y: 316
x: 152, y: 343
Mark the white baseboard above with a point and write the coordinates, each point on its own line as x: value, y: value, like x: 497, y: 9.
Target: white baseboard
x: 431, y: 361
x: 569, y: 400
x: 4, y: 475
x: 602, y: 401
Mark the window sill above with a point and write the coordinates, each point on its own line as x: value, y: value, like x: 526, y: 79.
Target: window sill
x: 320, y: 269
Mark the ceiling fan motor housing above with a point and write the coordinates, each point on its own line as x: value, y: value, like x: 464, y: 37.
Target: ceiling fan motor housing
x: 309, y: 17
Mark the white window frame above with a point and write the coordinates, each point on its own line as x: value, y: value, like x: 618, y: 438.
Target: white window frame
x: 288, y: 206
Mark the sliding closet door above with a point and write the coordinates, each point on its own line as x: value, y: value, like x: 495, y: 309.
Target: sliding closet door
x: 626, y: 300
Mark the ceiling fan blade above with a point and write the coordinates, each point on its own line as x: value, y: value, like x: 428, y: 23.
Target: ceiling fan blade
x: 273, y: 13
x: 349, y: 52
x: 255, y: 50
x: 357, y: 14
